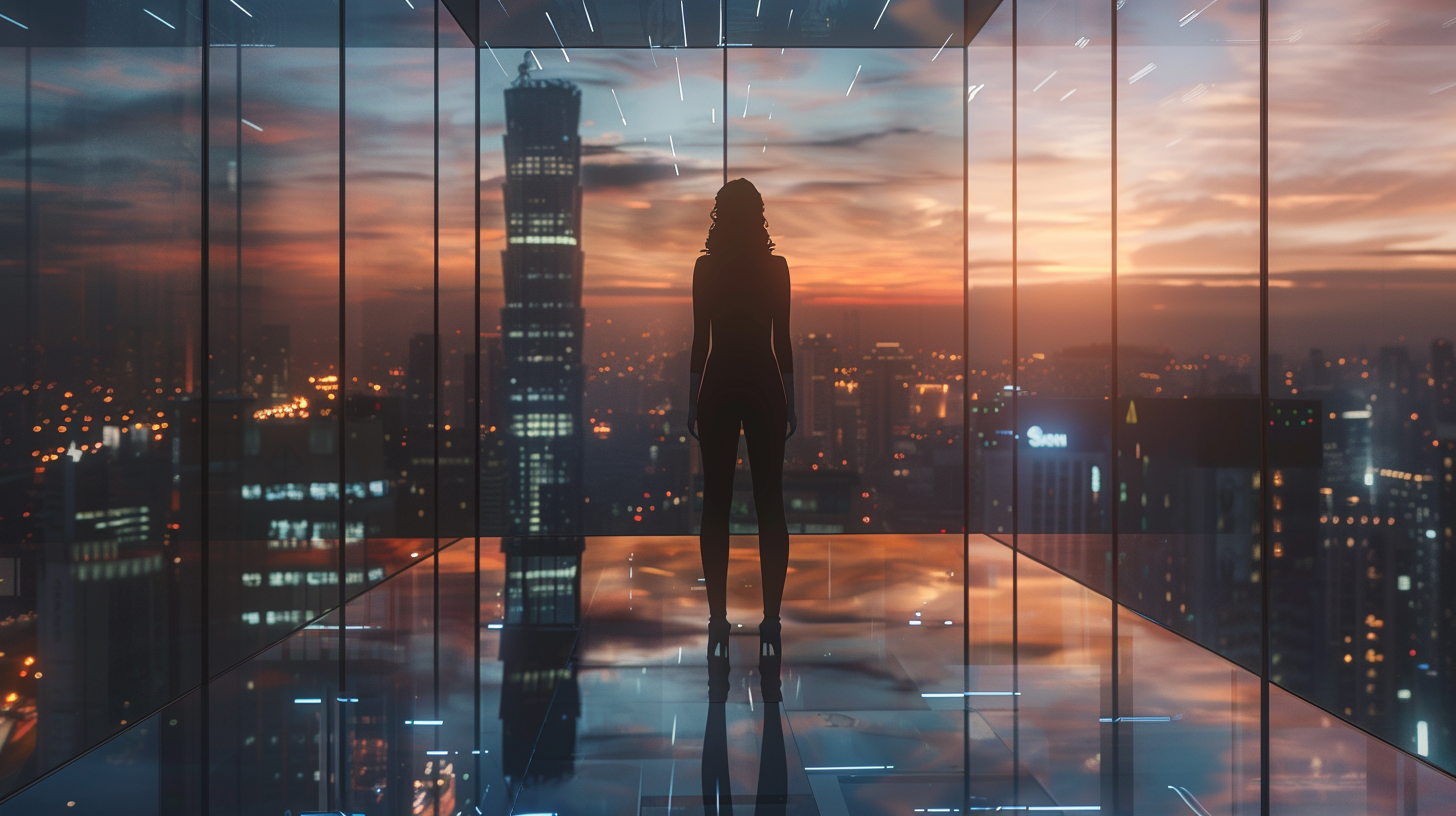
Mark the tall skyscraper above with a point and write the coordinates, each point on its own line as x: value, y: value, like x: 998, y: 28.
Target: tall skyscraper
x: 541, y: 324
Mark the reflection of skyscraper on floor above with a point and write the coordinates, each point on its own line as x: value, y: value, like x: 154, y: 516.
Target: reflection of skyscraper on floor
x: 539, y: 400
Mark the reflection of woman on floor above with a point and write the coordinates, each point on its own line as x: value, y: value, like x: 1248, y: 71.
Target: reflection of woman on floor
x: 742, y: 378
x: 773, y: 767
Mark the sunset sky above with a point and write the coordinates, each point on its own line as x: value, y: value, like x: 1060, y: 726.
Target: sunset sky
x: 863, y: 183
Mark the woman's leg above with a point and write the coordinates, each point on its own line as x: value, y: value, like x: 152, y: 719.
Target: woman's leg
x: 718, y: 439
x: 764, y: 429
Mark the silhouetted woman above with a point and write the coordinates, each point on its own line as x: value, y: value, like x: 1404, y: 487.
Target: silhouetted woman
x: 742, y: 377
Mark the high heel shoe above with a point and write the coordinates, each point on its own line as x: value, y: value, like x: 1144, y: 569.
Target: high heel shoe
x: 770, y: 638
x: 770, y: 659
x: 718, y: 630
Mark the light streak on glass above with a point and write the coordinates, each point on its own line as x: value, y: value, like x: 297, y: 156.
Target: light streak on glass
x: 307, y: 700
x: 787, y: 27
x: 760, y: 8
x: 971, y: 94
x: 1193, y: 15
x: 882, y: 15
x: 408, y: 3
x: 673, y: 148
x: 14, y: 21
x: 497, y: 60
x: 251, y: 125
x: 1190, y: 800
x: 943, y: 45
x: 650, y: 46
x: 240, y: 8
x: 746, y: 94
x: 159, y: 19
x: 619, y: 107
x: 558, y: 37
x: 1043, y: 82
x: 683, y: 13
x: 1142, y: 72
x: 678, y: 63
x: 851, y: 82
x: 1448, y: 86
x: 537, y: 59
x: 1082, y: 42
x: 970, y: 694
x: 1067, y: 94
x: 424, y: 722
x: 588, y: 17
x: 851, y: 768
x: 1041, y: 806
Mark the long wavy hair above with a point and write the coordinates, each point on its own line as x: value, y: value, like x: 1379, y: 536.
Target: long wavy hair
x: 738, y: 222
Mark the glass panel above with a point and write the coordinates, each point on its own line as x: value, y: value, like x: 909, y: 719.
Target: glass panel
x: 1319, y: 764
x: 1064, y: 676
x: 1065, y: 482
x: 856, y: 200
x: 579, y: 25
x: 1190, y: 730
x: 273, y: 726
x: 150, y: 768
x: 1188, y: 321
x: 642, y: 182
x: 274, y: 287
x: 457, y: 252
x: 392, y: 668
x: 392, y: 332
x: 989, y: 271
x: 101, y: 452
x: 879, y: 25
x: 1360, y: 300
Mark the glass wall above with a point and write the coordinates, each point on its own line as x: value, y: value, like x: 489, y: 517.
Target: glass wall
x: 344, y: 395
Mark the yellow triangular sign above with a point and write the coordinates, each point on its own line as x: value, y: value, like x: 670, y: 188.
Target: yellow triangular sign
x: 1131, y: 412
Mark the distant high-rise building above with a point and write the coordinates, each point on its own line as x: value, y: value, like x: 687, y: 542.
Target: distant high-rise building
x: 419, y: 410
x: 884, y: 380
x: 1443, y: 379
x: 270, y: 363
x: 817, y: 370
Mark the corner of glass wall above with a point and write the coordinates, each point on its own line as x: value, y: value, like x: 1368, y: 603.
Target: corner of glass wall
x: 1361, y: 369
x: 102, y: 375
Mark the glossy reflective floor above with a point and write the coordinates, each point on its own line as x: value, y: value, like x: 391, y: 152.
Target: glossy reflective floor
x: 854, y: 734
x: 883, y: 714
x: 901, y: 695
